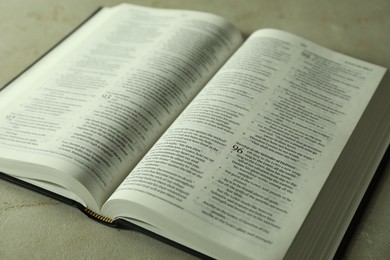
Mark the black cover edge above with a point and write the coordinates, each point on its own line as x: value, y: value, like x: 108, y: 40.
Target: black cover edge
x: 123, y: 224
x: 351, y: 230
x: 58, y: 197
x: 30, y: 186
x: 118, y: 223
x: 52, y: 48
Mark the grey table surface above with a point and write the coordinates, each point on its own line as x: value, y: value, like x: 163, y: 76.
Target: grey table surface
x: 33, y: 226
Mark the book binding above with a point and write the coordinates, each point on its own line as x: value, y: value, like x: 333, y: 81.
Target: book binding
x: 92, y: 214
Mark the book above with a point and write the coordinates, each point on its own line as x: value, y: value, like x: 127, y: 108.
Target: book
x: 169, y: 122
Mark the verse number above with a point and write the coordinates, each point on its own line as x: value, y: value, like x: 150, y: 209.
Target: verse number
x: 306, y: 54
x: 106, y: 96
x: 237, y: 149
x: 10, y: 117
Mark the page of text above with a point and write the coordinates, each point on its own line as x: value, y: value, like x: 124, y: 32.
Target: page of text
x: 104, y: 96
x: 247, y: 158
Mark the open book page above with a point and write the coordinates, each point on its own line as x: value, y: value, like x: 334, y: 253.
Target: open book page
x: 87, y: 112
x: 242, y: 165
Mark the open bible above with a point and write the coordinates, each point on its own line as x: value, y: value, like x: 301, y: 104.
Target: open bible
x: 170, y: 122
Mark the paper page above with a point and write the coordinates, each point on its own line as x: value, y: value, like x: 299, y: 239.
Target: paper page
x: 246, y: 159
x: 101, y: 99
